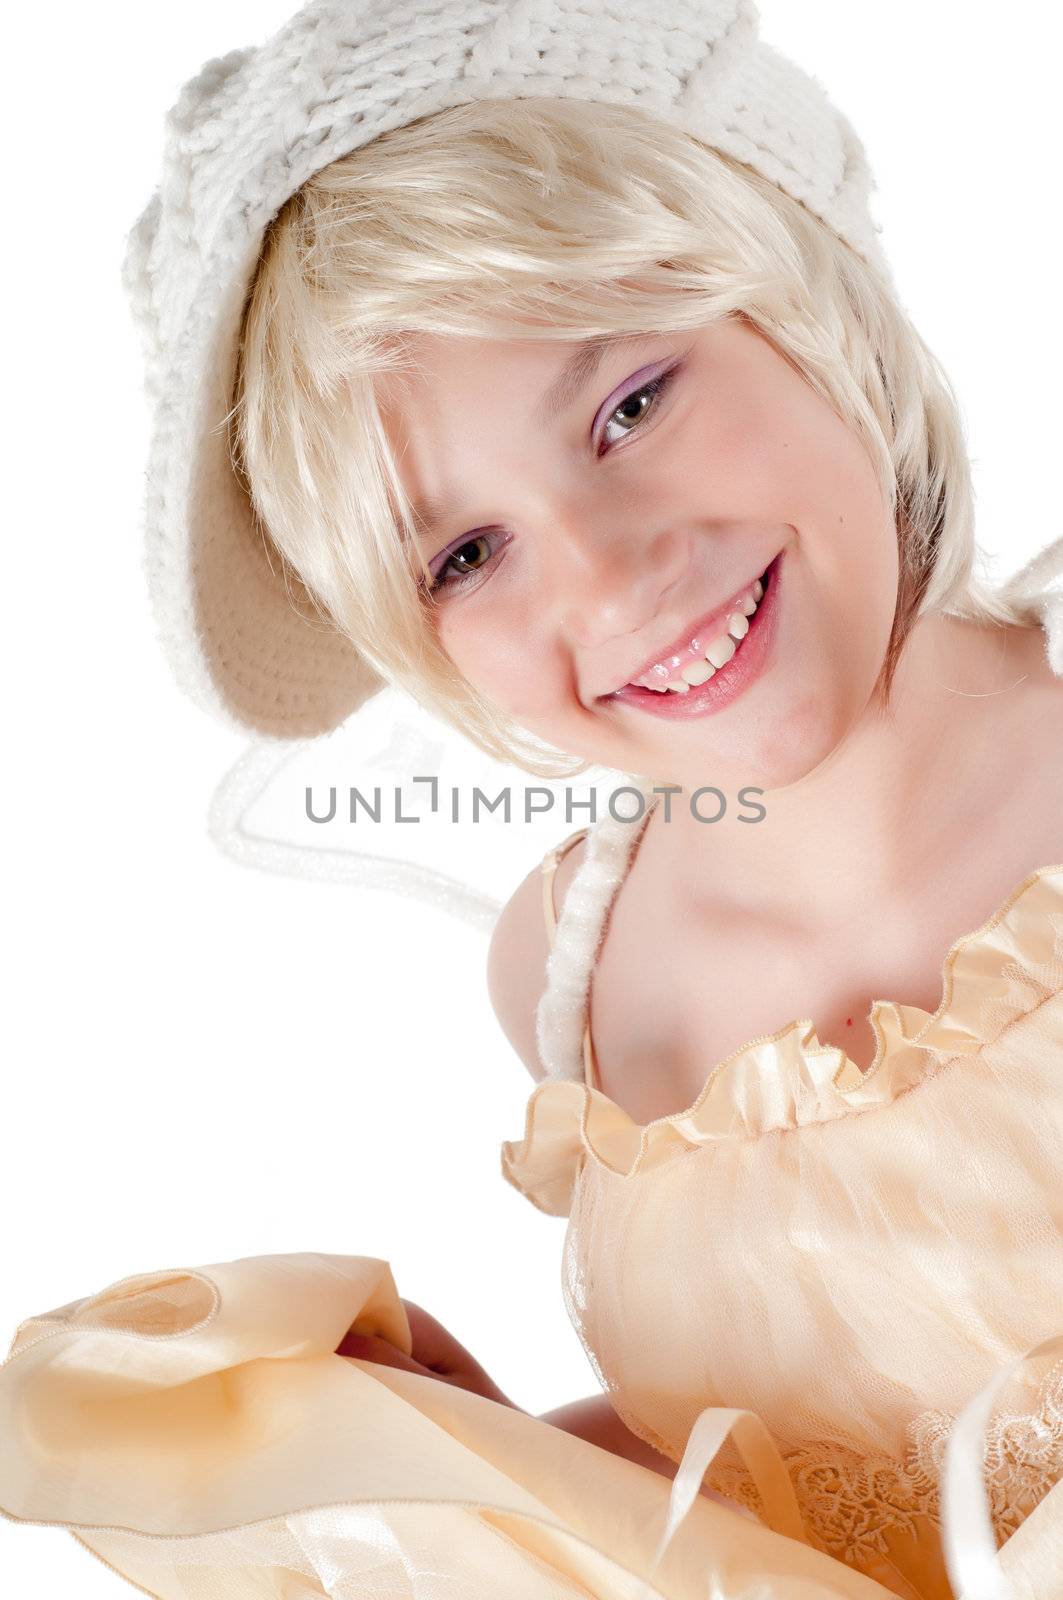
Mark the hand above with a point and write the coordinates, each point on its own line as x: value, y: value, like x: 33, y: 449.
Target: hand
x: 436, y: 1354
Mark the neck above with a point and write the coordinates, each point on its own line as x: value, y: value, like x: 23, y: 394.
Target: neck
x: 898, y: 792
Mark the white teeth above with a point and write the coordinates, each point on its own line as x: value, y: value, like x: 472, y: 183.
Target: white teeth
x: 721, y: 650
x: 717, y: 654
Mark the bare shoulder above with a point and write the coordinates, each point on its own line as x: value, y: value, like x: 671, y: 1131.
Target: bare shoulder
x: 518, y: 952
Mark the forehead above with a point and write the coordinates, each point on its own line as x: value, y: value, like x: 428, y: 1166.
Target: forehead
x: 549, y: 375
x: 463, y: 403
x: 561, y: 364
x: 565, y: 365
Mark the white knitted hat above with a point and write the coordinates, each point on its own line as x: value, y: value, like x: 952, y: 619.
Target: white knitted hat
x: 253, y: 126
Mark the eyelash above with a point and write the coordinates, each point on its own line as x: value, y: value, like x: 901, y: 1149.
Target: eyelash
x: 655, y: 388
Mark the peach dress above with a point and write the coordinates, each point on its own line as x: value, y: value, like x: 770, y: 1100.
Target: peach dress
x: 850, y: 1256
x: 839, y: 1292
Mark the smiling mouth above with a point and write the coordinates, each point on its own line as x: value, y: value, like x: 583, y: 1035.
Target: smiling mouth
x: 706, y: 647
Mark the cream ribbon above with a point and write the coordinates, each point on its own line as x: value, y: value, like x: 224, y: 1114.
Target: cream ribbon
x: 968, y: 1539
x: 762, y: 1460
x: 967, y: 1535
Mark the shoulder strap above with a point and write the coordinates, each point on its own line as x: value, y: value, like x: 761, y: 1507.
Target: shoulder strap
x: 561, y: 1028
x: 550, y: 861
x: 1039, y: 586
x: 549, y: 867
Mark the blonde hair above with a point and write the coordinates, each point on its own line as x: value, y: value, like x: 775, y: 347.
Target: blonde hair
x: 556, y: 219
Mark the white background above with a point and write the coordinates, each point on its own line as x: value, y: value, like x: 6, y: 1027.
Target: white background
x: 203, y: 1061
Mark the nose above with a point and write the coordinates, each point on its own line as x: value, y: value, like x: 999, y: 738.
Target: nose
x: 606, y: 584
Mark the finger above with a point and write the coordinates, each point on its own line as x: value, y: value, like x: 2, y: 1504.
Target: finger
x: 433, y: 1344
x: 446, y: 1358
x: 370, y: 1347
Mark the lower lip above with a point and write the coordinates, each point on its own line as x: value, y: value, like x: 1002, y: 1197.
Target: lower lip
x: 728, y: 682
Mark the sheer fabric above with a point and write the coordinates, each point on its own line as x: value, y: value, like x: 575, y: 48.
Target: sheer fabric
x: 850, y: 1256
x: 196, y: 1431
x: 797, y: 1283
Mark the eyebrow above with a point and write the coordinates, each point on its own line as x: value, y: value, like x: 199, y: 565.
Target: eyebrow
x: 577, y: 372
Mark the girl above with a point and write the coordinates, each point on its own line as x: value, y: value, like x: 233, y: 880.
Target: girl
x: 568, y: 390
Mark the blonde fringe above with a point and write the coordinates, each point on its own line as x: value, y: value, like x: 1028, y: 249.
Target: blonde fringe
x: 555, y: 219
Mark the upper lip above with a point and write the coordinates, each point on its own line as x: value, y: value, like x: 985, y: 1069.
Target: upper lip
x: 691, y: 642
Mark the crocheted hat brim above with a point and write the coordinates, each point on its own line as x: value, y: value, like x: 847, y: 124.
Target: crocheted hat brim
x: 246, y: 132
x: 252, y: 645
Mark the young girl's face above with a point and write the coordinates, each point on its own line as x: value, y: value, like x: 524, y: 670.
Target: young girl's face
x: 577, y: 535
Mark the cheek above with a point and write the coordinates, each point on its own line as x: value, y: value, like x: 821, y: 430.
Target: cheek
x: 855, y: 563
x: 819, y: 478
x: 502, y: 658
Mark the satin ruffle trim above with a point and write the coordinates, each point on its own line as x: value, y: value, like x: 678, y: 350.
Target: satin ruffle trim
x: 990, y: 978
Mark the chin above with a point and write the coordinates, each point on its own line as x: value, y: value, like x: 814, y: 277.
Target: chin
x: 799, y: 760
x: 785, y: 748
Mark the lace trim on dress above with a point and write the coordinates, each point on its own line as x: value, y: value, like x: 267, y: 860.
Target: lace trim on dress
x: 852, y: 1499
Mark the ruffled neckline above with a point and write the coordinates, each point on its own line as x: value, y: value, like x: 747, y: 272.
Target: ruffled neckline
x: 990, y: 978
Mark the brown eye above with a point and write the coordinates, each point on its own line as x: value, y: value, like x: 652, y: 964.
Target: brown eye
x: 463, y: 563
x: 635, y: 406
x: 638, y: 404
x: 464, y: 557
